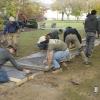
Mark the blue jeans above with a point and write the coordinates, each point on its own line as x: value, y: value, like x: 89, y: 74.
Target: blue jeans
x: 3, y: 76
x: 58, y: 57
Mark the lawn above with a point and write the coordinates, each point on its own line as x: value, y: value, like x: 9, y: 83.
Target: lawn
x: 64, y: 24
x: 28, y: 42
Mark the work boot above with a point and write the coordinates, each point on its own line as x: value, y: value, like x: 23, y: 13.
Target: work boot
x: 63, y: 64
x: 56, y: 70
x: 47, y: 68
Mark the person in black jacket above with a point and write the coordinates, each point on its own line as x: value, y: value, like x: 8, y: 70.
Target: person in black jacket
x: 71, y: 36
x: 91, y: 28
x: 70, y: 30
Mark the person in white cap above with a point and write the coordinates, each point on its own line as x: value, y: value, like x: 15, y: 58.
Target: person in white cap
x: 42, y: 43
x: 12, y: 19
x: 11, y: 30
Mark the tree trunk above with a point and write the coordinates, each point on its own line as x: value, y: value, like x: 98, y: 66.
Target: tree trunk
x: 57, y: 15
x: 77, y: 18
x: 67, y: 16
x: 62, y: 15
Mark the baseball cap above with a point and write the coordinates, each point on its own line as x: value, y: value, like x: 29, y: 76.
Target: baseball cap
x: 12, y: 19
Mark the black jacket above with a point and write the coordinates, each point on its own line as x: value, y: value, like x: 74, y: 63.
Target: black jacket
x: 72, y: 31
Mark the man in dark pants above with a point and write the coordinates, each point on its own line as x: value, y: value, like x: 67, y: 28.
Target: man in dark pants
x: 91, y: 27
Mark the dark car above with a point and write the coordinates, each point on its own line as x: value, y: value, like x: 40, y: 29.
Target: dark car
x: 31, y: 23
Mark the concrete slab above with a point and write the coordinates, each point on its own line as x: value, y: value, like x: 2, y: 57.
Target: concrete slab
x: 34, y: 61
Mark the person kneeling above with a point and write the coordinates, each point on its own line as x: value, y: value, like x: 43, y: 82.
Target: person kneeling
x: 57, y: 52
x: 5, y: 56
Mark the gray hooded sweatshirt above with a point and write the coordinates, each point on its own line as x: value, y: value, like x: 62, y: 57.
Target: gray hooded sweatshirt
x: 6, y: 56
x: 91, y: 24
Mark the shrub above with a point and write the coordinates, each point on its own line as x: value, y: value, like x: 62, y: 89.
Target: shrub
x: 1, y: 23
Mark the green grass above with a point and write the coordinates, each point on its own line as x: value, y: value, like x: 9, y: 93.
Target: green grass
x: 28, y: 42
x: 64, y: 24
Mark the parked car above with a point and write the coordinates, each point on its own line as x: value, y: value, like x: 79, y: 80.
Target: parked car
x: 31, y: 23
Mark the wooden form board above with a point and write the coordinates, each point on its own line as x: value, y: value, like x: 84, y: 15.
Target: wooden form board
x: 19, y: 77
x: 27, y: 78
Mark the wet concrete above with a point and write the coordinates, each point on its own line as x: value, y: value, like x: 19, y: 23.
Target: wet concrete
x: 34, y: 61
x: 12, y: 72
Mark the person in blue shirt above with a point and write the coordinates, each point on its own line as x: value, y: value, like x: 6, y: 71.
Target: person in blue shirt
x: 11, y: 31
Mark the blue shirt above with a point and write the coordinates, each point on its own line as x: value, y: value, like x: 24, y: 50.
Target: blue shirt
x: 11, y: 27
